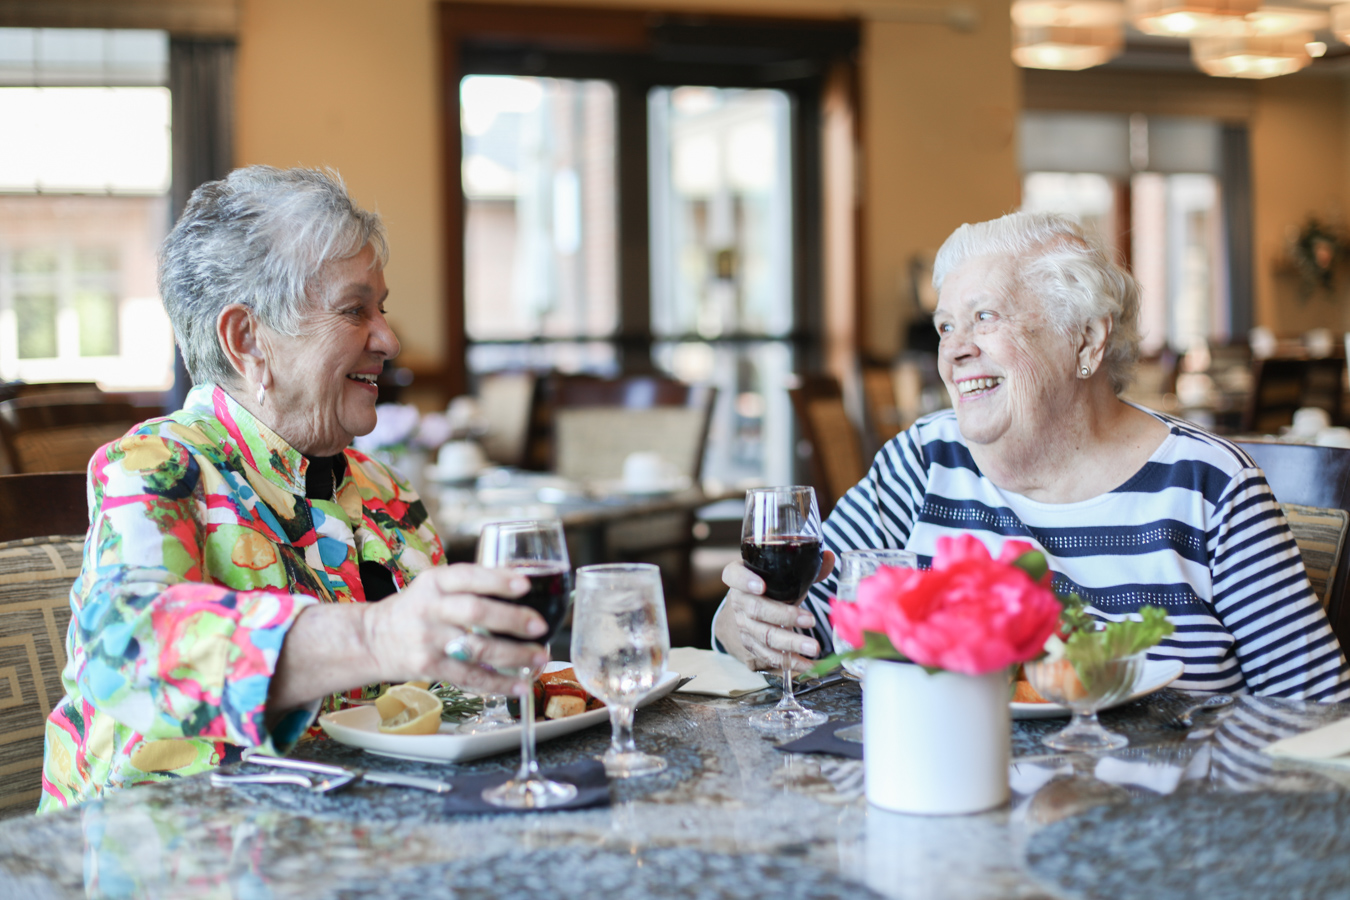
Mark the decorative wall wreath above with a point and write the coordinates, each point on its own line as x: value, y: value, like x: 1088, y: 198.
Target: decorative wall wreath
x: 1316, y: 252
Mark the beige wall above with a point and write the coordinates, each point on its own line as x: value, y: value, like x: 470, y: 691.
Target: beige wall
x: 1298, y: 145
x: 351, y: 84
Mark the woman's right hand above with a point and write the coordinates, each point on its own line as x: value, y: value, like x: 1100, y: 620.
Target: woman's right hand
x: 758, y: 631
x: 407, y: 633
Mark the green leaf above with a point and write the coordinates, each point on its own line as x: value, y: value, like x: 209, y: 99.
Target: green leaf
x: 1089, y: 650
x: 1033, y: 562
x: 875, y: 646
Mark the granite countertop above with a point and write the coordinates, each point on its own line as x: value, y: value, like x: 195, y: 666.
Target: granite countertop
x: 1176, y: 814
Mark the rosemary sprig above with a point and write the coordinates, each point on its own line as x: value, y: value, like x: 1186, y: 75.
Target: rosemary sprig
x: 456, y: 706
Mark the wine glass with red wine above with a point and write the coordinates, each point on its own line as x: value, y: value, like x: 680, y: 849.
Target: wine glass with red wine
x: 781, y: 543
x: 535, y: 549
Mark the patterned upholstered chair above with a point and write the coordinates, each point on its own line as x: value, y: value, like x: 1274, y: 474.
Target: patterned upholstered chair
x: 42, y: 524
x: 1312, y: 484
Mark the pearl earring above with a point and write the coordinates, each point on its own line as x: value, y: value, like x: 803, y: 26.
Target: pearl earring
x: 262, y: 393
x: 1084, y: 370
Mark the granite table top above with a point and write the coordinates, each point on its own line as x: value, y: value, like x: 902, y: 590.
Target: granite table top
x: 1176, y: 814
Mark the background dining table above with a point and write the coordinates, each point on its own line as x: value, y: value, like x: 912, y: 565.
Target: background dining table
x: 1197, y: 813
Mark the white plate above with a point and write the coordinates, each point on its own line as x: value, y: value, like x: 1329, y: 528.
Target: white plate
x: 360, y: 727
x: 1157, y: 674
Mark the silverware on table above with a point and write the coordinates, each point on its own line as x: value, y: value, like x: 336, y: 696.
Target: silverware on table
x: 333, y: 783
x: 391, y: 778
x: 1181, y: 718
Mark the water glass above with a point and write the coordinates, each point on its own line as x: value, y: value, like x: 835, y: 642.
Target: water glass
x: 619, y: 647
x: 854, y: 566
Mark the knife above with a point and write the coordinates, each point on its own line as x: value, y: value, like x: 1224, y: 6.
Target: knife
x: 392, y: 778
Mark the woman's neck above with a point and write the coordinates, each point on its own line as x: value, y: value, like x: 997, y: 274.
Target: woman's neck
x: 1092, y: 448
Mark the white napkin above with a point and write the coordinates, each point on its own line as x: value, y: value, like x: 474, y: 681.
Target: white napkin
x: 716, y: 674
x: 1327, y: 745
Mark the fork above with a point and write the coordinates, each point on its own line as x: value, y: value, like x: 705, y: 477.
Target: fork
x: 323, y: 786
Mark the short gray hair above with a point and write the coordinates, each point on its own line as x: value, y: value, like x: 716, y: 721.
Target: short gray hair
x: 257, y: 237
x: 1072, y: 274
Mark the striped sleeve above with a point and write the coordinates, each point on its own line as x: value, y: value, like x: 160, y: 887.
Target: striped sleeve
x: 1285, y: 646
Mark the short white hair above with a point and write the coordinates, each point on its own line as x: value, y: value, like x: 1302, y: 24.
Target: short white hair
x: 1053, y: 259
x: 257, y: 237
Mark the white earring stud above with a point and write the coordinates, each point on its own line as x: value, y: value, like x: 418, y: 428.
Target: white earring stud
x: 262, y: 393
x: 1084, y: 370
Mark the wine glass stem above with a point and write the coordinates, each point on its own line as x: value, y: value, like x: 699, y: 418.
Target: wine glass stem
x: 789, y: 698
x: 621, y: 729
x: 529, y: 769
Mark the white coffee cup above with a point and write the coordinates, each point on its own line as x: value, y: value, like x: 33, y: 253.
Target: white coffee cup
x: 645, y: 470
x: 458, y: 460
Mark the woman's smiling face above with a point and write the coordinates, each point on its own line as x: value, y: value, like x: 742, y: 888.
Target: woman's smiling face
x: 1008, y: 370
x: 322, y: 392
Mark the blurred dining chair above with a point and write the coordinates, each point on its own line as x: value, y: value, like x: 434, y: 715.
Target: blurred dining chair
x: 506, y: 400
x: 837, y: 462
x: 881, y: 408
x: 599, y: 422
x: 60, y: 432
x: 1282, y: 386
x: 43, y: 519
x: 1312, y: 485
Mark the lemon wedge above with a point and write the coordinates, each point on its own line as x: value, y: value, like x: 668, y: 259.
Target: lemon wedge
x: 408, y: 709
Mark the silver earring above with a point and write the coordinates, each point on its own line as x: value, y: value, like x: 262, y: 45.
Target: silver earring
x: 1084, y: 370
x: 262, y: 393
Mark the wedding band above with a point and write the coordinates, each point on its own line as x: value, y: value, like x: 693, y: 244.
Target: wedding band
x: 460, y: 649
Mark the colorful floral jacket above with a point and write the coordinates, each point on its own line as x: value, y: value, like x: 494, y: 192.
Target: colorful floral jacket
x: 202, y: 551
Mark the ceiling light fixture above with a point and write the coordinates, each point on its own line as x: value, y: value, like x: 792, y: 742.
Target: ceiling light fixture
x: 1251, y: 55
x: 1066, y: 34
x: 1188, y: 18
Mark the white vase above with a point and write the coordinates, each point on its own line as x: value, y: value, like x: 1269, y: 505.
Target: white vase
x: 935, y: 744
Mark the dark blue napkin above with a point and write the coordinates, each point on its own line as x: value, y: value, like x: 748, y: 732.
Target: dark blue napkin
x: 822, y: 740
x: 588, y: 775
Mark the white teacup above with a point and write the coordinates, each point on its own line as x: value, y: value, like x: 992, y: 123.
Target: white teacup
x: 645, y: 471
x: 459, y: 460
x: 1308, y: 421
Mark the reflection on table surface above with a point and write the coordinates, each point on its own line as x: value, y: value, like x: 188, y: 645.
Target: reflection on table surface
x: 732, y: 816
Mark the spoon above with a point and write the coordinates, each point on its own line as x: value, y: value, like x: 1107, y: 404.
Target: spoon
x: 323, y: 786
x: 1182, y: 719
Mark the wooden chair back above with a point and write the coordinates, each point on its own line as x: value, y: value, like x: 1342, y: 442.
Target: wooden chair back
x: 43, y: 434
x: 1312, y: 484
x: 837, y: 461
x: 1281, y: 386
x: 43, y: 520
x: 598, y: 422
x: 506, y: 400
x: 881, y: 407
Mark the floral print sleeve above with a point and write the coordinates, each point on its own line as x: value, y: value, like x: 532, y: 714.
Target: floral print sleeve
x: 202, y: 552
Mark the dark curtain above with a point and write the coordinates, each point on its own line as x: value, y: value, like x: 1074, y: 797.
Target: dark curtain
x: 1235, y: 178
x: 201, y: 80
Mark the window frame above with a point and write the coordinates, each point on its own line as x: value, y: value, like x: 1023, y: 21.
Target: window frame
x: 618, y: 46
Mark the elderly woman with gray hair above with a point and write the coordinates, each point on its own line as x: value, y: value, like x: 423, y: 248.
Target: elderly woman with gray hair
x: 1038, y: 337
x: 236, y: 546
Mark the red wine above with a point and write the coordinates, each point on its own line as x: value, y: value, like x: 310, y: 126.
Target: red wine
x: 548, y: 595
x: 788, y: 565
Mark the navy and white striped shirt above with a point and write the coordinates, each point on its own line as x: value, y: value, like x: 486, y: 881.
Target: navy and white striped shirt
x: 1196, y: 531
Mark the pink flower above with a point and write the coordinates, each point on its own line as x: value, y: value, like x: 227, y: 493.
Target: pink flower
x: 970, y: 613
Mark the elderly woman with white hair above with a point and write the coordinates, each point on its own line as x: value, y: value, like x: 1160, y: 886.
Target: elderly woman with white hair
x: 237, y: 546
x: 1038, y: 338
